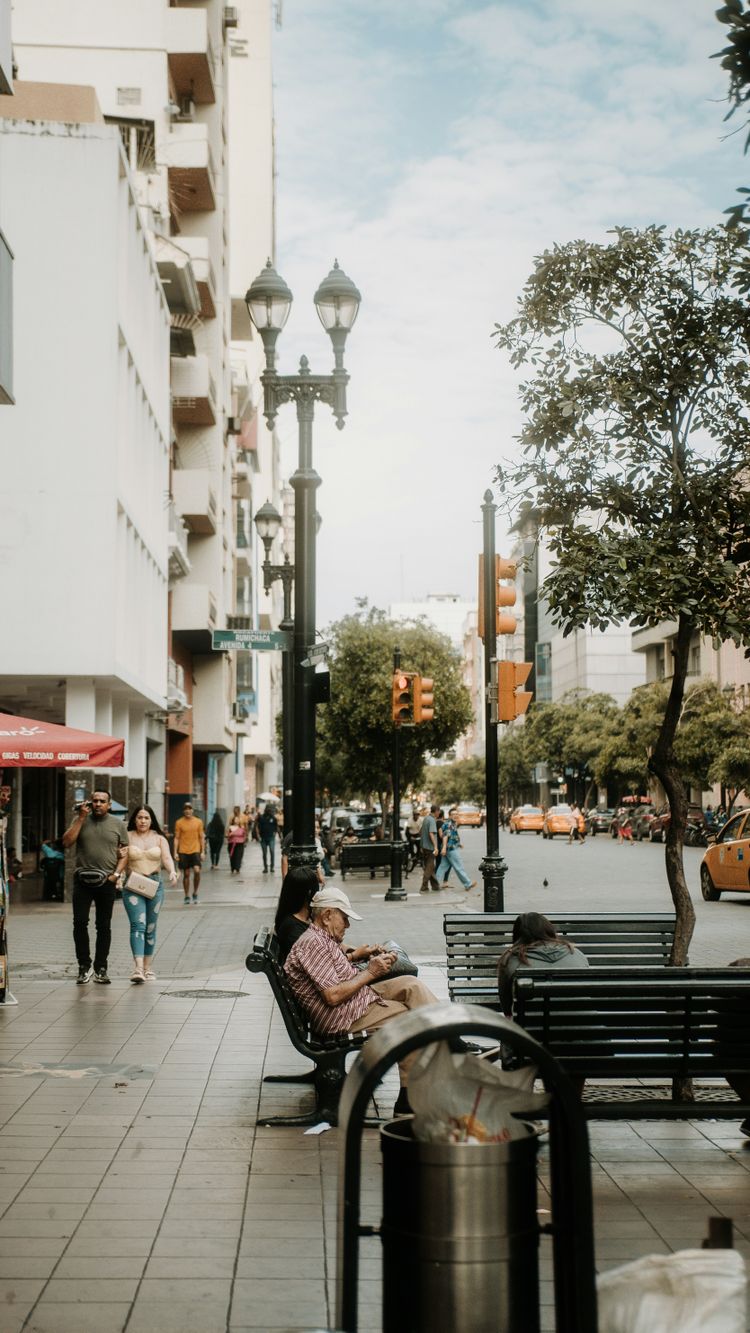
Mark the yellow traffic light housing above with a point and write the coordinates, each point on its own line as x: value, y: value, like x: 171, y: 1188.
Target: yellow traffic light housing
x: 505, y: 595
x: 424, y: 699
x: 402, y: 698
x: 511, y: 700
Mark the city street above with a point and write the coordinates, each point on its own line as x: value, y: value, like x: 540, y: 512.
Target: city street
x: 135, y: 1190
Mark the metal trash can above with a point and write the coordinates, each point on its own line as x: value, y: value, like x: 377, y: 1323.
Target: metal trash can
x: 460, y: 1235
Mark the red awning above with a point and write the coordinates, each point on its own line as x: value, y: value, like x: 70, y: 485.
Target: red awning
x: 25, y: 743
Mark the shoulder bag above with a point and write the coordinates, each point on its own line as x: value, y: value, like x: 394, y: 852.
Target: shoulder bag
x: 143, y: 885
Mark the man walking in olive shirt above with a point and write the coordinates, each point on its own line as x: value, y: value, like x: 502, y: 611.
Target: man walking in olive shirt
x: 189, y: 850
x: 101, y: 843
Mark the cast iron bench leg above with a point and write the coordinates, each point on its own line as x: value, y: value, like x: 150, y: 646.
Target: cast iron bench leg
x: 328, y: 1078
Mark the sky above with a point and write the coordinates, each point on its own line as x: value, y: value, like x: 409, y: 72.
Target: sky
x: 434, y: 148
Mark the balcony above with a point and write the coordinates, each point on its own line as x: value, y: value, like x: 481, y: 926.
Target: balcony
x: 193, y: 391
x: 181, y: 292
x: 195, y: 499
x: 189, y: 55
x: 193, y: 615
x: 179, y: 560
x: 197, y: 248
x: 191, y: 172
x: 241, y: 480
x: 177, y: 700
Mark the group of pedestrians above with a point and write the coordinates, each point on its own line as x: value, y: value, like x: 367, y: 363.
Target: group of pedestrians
x: 109, y: 856
x: 244, y: 825
x: 440, y: 843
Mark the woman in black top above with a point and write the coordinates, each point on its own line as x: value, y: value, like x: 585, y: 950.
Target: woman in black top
x: 293, y: 910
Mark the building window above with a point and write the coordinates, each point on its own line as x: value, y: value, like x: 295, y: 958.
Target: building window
x: 543, y: 672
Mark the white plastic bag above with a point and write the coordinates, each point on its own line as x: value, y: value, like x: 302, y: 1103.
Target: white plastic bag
x: 692, y: 1291
x: 462, y: 1099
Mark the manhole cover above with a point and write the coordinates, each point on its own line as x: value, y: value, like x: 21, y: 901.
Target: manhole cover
x: 205, y: 995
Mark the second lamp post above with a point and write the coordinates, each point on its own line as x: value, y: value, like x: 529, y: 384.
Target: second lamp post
x: 337, y: 301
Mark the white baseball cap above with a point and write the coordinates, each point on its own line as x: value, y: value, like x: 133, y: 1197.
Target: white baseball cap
x: 331, y: 897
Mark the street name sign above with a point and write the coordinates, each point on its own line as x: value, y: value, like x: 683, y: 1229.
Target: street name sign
x: 263, y: 640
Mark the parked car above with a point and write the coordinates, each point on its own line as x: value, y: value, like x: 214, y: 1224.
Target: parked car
x: 363, y: 824
x: 642, y: 819
x: 470, y: 815
x: 657, y: 831
x: 628, y: 810
x: 527, y: 819
x: 598, y: 821
x: 726, y: 865
x: 560, y: 819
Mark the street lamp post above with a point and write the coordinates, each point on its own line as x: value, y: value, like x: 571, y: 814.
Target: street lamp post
x: 493, y: 866
x: 337, y: 302
x: 267, y: 523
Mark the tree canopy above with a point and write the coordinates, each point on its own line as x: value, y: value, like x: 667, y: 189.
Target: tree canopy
x: 355, y: 731
x: 635, y: 450
x: 461, y: 781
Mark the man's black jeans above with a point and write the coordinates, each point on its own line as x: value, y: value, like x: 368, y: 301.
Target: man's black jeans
x: 103, y: 900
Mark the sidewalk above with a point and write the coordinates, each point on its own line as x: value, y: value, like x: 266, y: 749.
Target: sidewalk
x: 135, y: 1190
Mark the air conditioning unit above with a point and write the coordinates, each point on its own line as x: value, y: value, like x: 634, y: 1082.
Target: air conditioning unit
x: 234, y: 426
x: 240, y: 711
x: 187, y: 109
x: 176, y: 700
x: 231, y: 17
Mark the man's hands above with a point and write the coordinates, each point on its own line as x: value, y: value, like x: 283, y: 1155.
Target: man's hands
x: 364, y: 952
x: 380, y: 964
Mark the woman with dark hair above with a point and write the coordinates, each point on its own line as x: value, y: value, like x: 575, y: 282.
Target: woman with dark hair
x: 536, y: 943
x: 293, y: 908
x: 148, y: 853
x: 215, y: 837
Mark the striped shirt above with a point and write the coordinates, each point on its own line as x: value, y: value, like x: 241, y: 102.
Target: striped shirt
x: 316, y: 961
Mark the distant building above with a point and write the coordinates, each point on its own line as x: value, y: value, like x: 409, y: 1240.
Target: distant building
x: 457, y: 619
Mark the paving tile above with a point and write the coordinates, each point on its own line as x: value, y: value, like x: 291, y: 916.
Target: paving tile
x: 87, y: 1317
x: 168, y: 1316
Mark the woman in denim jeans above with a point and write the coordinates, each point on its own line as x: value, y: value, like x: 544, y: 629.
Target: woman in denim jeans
x: 148, y: 854
x: 450, y: 856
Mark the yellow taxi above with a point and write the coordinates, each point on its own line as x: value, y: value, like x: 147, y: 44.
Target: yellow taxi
x: 726, y: 866
x: 560, y: 819
x: 527, y: 819
x: 469, y: 815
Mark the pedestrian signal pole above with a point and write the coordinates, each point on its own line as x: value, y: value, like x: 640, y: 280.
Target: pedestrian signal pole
x: 493, y: 867
x: 402, y: 714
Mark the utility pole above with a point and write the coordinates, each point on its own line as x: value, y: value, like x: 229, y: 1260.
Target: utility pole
x: 493, y: 867
x: 396, y: 894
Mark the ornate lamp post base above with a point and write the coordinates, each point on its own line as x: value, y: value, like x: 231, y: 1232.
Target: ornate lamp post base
x: 494, y: 870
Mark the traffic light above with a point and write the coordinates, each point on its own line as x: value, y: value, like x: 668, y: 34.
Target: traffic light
x: 505, y: 595
x: 402, y: 698
x: 510, y: 703
x: 424, y: 699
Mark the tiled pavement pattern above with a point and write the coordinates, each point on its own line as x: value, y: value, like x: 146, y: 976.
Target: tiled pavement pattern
x: 135, y: 1191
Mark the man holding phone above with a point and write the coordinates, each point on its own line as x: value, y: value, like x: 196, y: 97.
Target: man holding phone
x: 101, y: 843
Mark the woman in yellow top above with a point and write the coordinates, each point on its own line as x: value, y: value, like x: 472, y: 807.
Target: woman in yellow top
x: 148, y: 852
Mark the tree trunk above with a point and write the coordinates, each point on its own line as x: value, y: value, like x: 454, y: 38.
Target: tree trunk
x: 663, y: 765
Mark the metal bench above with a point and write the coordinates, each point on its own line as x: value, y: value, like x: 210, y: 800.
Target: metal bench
x: 368, y: 856
x: 328, y: 1053
x: 475, y: 941
x: 643, y: 1023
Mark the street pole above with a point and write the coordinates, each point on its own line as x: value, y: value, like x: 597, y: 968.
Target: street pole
x: 304, y: 482
x: 396, y: 894
x: 287, y: 701
x: 337, y: 302
x: 493, y: 867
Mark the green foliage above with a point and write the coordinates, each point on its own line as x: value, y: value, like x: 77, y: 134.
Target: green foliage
x: 626, y: 752
x: 573, y: 733
x: 355, y: 731
x: 635, y: 458
x: 514, y: 777
x: 713, y: 741
x: 462, y: 781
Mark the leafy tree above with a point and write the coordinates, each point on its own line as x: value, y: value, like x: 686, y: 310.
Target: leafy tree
x: 626, y: 751
x: 573, y: 734
x: 355, y: 728
x: 514, y: 778
x: 636, y: 450
x: 713, y: 741
x: 462, y: 781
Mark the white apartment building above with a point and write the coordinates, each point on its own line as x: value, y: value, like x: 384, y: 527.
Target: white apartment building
x: 86, y: 446
x: 160, y: 71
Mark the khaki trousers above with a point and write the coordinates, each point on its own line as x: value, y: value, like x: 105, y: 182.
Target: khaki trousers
x: 401, y: 994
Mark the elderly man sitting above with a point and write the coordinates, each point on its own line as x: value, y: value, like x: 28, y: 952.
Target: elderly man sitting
x: 335, y: 996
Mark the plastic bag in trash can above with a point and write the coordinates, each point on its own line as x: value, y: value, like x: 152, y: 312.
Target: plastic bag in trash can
x: 462, y: 1099
x: 692, y: 1291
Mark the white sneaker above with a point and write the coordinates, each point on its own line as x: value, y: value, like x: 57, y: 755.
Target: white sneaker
x: 137, y: 976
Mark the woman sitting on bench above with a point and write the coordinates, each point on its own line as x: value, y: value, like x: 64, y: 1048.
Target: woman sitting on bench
x: 536, y: 943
